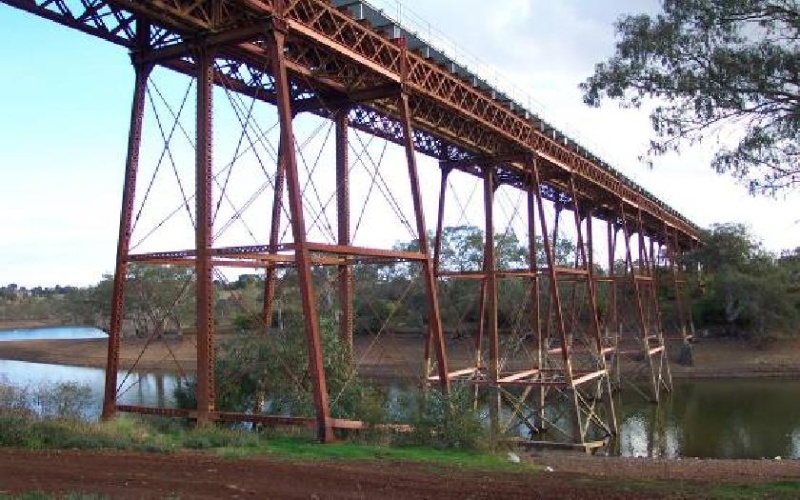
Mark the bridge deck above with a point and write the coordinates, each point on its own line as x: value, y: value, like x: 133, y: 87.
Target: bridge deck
x: 345, y: 53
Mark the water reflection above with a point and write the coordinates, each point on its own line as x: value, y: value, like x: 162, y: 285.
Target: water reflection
x: 137, y: 388
x: 704, y: 418
x: 715, y: 418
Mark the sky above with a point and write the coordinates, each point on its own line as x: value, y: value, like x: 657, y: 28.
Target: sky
x: 64, y: 110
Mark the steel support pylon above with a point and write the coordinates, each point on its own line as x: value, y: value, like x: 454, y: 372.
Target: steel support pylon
x: 141, y: 73
x: 641, y: 352
x: 564, y: 394
x: 276, y: 42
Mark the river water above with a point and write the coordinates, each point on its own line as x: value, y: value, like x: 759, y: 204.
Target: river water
x: 60, y: 333
x: 742, y: 418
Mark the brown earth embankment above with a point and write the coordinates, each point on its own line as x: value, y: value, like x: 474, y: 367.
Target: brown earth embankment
x: 401, y: 355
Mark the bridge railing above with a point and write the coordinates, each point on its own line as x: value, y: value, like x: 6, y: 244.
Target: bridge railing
x: 411, y: 21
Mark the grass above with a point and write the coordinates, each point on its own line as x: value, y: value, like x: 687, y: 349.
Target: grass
x: 302, y: 448
x: 784, y: 489
x: 657, y: 488
x: 771, y: 489
x: 154, y: 435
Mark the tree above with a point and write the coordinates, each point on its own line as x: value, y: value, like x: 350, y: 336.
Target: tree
x: 747, y: 291
x: 714, y: 65
x: 160, y: 298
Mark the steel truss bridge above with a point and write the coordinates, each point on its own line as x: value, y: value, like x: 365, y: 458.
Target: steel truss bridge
x: 346, y: 63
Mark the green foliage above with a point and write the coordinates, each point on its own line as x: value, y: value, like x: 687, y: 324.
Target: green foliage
x: 746, y: 291
x: 305, y: 448
x: 14, y: 400
x: 37, y: 433
x: 439, y: 421
x: 711, y: 64
x: 247, y: 322
x: 64, y: 400
x: 787, y: 489
x: 269, y: 373
x: 13, y: 429
x: 160, y: 298
x: 68, y: 400
x: 51, y: 416
x: 217, y: 437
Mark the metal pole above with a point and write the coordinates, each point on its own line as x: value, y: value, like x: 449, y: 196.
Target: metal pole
x: 613, y: 314
x: 536, y: 327
x: 302, y: 255
x: 490, y: 280
x: 434, y: 314
x: 271, y: 279
x: 142, y: 72
x: 345, y: 279
x: 204, y: 238
x: 555, y: 300
x: 437, y: 240
x: 437, y: 255
x: 490, y: 274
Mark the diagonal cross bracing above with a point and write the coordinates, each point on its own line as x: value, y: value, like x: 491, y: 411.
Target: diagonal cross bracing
x: 451, y: 113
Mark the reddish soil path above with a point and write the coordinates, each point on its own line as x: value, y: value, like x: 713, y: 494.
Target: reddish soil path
x: 199, y: 475
x: 203, y: 475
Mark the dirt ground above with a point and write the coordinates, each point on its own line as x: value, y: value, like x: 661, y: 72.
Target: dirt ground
x: 201, y: 475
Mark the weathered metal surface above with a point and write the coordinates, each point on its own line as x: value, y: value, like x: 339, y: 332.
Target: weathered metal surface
x: 142, y: 72
x: 204, y: 240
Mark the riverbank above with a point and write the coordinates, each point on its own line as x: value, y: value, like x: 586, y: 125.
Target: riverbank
x: 400, y: 355
x: 12, y: 324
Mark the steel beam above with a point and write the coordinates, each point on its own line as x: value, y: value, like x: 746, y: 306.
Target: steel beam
x: 271, y: 277
x: 142, y: 73
x: 276, y: 43
x: 345, y: 271
x: 434, y: 314
x: 535, y: 312
x: 204, y: 239
x: 490, y: 274
x: 356, y: 57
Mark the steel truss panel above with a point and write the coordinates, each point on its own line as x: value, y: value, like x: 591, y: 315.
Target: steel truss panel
x: 328, y: 51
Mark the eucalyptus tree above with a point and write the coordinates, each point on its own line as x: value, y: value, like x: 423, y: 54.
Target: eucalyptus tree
x: 725, y: 68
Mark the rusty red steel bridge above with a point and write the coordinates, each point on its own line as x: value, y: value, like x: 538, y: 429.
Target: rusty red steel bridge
x: 347, y: 64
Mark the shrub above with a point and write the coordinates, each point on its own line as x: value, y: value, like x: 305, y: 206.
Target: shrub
x: 216, y: 437
x: 443, y: 421
x: 13, y: 429
x: 268, y: 373
x: 65, y: 400
x: 14, y: 399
